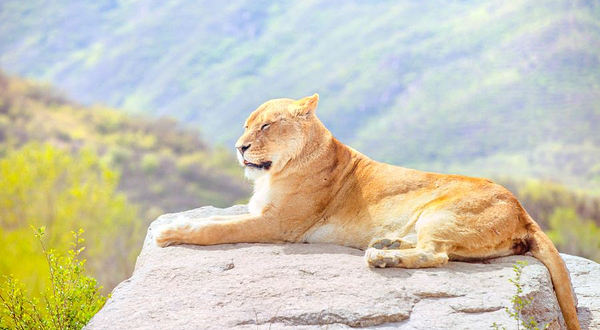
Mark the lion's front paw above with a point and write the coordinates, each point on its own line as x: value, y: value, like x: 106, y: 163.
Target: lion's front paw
x: 163, y: 235
x: 171, y: 233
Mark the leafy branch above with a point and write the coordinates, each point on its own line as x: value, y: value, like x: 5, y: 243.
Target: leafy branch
x: 68, y: 303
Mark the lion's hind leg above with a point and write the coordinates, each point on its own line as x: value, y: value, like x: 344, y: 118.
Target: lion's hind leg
x: 423, y: 249
x: 442, y: 235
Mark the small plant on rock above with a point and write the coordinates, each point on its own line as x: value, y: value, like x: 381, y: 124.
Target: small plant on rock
x: 519, y: 303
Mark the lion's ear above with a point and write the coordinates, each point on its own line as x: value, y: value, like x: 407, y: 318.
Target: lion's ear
x: 307, y: 105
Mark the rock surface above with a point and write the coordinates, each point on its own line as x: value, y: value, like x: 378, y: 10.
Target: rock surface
x: 322, y: 286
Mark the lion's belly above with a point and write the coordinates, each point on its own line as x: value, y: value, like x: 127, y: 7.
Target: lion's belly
x: 321, y: 234
x: 331, y: 233
x: 357, y: 234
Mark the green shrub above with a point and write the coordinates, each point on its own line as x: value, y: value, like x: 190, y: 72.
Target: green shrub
x: 42, y: 185
x: 574, y: 234
x: 118, y: 156
x: 68, y: 303
x: 150, y: 163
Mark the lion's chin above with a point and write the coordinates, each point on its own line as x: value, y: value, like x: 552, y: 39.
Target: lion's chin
x: 253, y: 174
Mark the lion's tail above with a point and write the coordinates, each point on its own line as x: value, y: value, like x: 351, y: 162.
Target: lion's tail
x: 543, y: 249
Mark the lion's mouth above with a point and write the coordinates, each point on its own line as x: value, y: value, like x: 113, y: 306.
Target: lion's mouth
x: 261, y: 166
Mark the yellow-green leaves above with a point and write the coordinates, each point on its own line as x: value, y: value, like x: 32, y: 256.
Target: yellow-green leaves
x: 60, y: 192
x: 68, y: 302
x: 570, y: 232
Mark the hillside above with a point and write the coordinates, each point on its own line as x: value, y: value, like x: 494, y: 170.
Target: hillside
x: 163, y: 167
x: 474, y: 87
x: 64, y: 166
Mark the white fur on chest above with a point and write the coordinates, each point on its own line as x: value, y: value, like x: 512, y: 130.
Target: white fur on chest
x: 261, y: 196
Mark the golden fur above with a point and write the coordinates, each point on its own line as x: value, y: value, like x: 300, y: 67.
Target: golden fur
x: 309, y: 187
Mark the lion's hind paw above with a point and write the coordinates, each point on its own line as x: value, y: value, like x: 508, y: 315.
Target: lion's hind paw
x: 390, y: 244
x: 381, y: 258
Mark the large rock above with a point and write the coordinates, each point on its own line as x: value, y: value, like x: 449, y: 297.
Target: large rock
x: 308, y: 286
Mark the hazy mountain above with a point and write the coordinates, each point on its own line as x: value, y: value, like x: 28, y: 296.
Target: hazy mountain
x: 162, y: 166
x: 478, y: 87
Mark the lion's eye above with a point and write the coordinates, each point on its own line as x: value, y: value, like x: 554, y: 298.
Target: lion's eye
x: 264, y: 127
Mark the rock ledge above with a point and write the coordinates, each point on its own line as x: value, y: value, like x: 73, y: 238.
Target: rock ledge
x: 323, y: 286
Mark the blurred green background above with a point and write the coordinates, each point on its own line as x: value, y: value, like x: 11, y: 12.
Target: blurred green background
x: 114, y: 112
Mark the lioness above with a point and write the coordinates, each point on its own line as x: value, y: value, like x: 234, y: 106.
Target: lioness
x: 309, y: 187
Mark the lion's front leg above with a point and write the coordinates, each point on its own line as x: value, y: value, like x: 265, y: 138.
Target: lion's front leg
x: 243, y: 228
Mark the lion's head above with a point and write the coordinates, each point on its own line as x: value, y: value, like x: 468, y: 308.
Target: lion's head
x: 275, y: 133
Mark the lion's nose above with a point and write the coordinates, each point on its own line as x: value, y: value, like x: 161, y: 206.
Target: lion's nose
x: 243, y: 149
